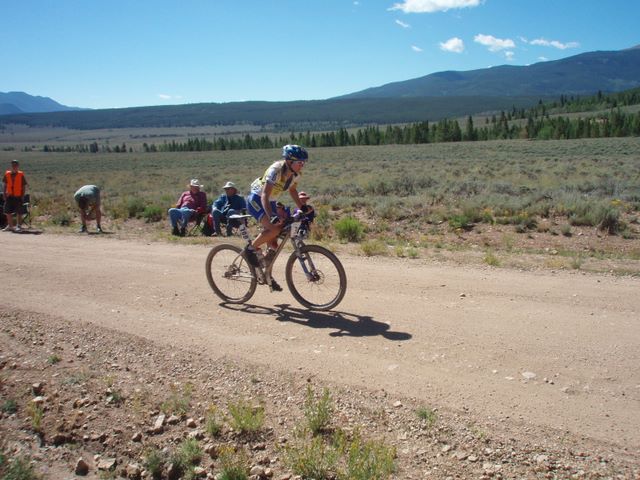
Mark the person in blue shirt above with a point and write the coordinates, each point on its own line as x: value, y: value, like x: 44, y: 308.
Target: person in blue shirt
x: 227, y: 204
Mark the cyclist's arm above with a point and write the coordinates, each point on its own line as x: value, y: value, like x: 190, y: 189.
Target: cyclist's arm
x: 293, y: 191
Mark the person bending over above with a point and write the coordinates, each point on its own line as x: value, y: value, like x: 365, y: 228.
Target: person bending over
x: 88, y: 200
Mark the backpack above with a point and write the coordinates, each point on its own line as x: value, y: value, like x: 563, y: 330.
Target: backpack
x: 207, y: 227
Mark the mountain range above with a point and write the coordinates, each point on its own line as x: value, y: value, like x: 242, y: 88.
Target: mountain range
x: 20, y: 102
x: 432, y: 97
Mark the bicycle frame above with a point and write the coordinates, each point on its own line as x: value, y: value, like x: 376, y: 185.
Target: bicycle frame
x: 292, y: 230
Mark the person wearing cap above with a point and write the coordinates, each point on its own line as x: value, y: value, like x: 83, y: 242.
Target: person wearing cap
x: 14, y: 188
x: 190, y: 202
x: 227, y: 204
x: 88, y: 200
x: 310, y: 213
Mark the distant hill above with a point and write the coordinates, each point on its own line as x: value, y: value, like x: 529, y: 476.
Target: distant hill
x: 582, y: 74
x: 300, y: 115
x: 20, y: 102
x: 433, y: 97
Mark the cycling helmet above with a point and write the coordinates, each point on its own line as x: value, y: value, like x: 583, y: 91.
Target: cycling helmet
x: 294, y: 152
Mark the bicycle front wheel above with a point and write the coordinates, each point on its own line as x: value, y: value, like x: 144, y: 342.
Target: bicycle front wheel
x: 229, y: 274
x: 317, y: 279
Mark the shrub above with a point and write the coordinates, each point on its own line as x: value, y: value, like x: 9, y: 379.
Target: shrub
x: 566, y: 230
x: 609, y: 220
x: 246, y: 418
x: 427, y: 415
x: 233, y: 464
x: 53, y: 359
x: 374, y: 247
x: 135, y: 207
x: 36, y: 414
x: 312, y: 459
x: 178, y: 402
x: 61, y: 218
x: 212, y: 426
x: 317, y: 412
x: 368, y: 460
x: 154, y: 462
x: 349, y: 229
x: 491, y: 259
x: 460, y: 222
x: 19, y: 469
x: 9, y: 406
x: 153, y: 213
x: 189, y: 453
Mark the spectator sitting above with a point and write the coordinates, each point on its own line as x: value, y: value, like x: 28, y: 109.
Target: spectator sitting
x: 310, y: 213
x: 88, y: 200
x: 227, y: 204
x: 190, y: 202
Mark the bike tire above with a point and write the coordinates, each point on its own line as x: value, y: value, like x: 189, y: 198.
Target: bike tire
x: 229, y: 274
x: 329, y: 285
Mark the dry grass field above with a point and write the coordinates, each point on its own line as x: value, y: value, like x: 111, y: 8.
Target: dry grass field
x: 561, y: 204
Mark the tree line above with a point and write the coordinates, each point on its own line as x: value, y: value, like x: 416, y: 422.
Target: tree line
x: 540, y: 122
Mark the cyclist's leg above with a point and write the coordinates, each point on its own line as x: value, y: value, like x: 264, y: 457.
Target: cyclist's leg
x: 269, y: 232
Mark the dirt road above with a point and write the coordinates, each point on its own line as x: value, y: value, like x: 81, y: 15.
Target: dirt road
x: 526, y: 349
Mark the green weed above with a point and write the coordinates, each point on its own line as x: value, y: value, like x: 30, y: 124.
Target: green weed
x: 178, y: 402
x: 233, y: 464
x: 245, y: 417
x: 491, y: 259
x: 53, y: 359
x: 213, y: 427
x: 312, y: 459
x: 154, y: 462
x: 317, y: 412
x: 36, y: 414
x: 9, y: 406
x: 18, y: 469
x: 368, y: 460
x: 427, y: 415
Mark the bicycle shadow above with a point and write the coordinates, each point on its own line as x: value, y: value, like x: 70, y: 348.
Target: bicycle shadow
x: 343, y: 323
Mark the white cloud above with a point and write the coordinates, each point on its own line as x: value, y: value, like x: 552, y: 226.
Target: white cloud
x: 164, y: 96
x: 554, y: 43
x: 509, y: 56
x: 416, y: 49
x: 454, y: 44
x: 402, y: 24
x: 543, y: 59
x: 431, y: 6
x: 494, y: 44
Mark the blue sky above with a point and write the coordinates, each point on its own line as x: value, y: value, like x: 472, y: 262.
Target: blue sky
x: 123, y: 53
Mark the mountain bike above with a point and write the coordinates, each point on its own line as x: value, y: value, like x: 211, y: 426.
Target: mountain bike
x: 315, y: 276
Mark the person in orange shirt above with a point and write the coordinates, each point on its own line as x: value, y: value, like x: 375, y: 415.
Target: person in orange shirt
x: 14, y: 187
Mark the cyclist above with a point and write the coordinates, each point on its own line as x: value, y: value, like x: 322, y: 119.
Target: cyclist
x: 281, y: 176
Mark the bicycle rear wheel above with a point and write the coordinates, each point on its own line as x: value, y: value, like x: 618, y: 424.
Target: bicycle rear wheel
x: 324, y: 283
x: 229, y: 274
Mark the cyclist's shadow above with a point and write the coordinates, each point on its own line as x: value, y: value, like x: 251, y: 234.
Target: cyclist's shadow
x: 343, y: 323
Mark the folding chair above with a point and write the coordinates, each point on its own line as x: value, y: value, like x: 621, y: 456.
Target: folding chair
x: 26, y: 210
x: 3, y: 217
x: 198, y: 223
